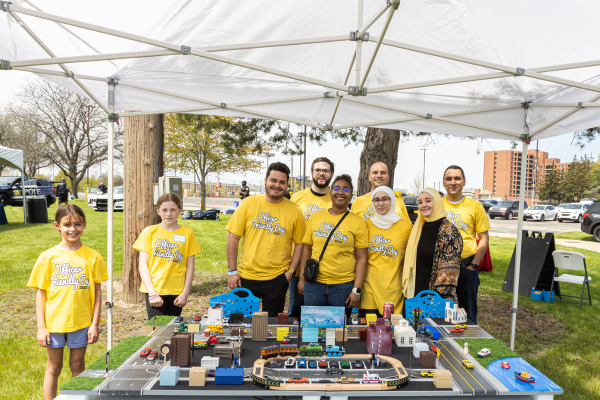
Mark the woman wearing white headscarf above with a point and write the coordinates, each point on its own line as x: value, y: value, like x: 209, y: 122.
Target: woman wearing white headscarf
x: 388, y: 236
x: 433, y: 253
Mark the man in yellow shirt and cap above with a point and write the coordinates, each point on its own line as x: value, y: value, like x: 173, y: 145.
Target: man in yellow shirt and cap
x: 271, y: 225
x: 378, y: 176
x: 310, y: 200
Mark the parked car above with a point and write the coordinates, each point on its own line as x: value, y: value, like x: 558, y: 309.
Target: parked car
x: 573, y: 212
x: 591, y: 221
x: 506, y: 209
x: 100, y: 203
x: 411, y: 208
x: 11, y: 193
x: 493, y: 202
x: 540, y: 213
x: 467, y: 364
x: 302, y: 363
x: 484, y: 353
x: 93, y: 193
x: 312, y: 364
x: 588, y: 200
x: 561, y: 207
x: 485, y: 204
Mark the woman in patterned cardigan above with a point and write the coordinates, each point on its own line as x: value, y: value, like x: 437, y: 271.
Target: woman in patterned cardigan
x: 432, y: 260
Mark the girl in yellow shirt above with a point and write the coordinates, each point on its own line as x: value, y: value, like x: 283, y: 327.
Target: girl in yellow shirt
x: 68, y: 279
x: 167, y: 256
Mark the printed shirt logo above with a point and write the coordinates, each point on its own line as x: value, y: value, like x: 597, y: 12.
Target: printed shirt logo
x: 324, y: 231
x: 369, y: 213
x: 165, y: 249
x: 310, y: 210
x: 381, y: 245
x: 459, y: 223
x: 65, y: 275
x: 267, y: 222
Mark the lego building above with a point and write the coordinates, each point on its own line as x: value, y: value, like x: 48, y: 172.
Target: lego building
x: 181, y: 349
x: 229, y: 376
x: 404, y: 335
x: 260, y: 321
x: 379, y: 337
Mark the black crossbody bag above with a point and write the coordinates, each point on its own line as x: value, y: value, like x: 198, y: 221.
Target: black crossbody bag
x: 311, y: 268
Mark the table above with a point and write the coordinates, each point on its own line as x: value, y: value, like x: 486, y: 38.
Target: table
x: 136, y: 378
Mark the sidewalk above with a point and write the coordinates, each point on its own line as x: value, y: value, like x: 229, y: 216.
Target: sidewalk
x: 580, y: 244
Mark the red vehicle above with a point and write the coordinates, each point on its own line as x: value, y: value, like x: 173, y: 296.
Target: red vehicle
x: 457, y: 330
x: 197, y: 318
x: 323, y: 363
x: 434, y: 348
x: 286, y: 339
x: 145, y: 352
x: 363, y: 321
x: 153, y: 356
x: 298, y: 380
x: 505, y: 365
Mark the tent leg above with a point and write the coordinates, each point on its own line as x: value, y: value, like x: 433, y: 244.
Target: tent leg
x: 23, y: 193
x: 109, y: 233
x: 522, y: 187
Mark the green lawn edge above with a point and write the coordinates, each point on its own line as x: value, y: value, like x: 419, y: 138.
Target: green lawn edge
x: 161, y: 320
x: 82, y: 383
x: 120, y: 352
x: 498, y: 350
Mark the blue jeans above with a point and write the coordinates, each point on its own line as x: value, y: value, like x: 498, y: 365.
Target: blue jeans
x: 73, y: 340
x: 296, y: 299
x: 467, y: 288
x: 321, y: 294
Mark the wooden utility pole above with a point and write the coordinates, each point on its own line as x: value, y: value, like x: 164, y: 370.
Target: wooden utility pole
x: 381, y: 145
x: 143, y: 144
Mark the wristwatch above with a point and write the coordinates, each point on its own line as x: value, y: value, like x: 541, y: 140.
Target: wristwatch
x: 357, y: 291
x: 475, y: 265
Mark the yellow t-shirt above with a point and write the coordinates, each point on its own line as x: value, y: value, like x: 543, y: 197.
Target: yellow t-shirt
x: 383, y: 281
x: 309, y: 203
x: 268, y: 231
x: 339, y: 261
x: 470, y: 218
x: 68, y: 277
x: 168, y: 252
x: 363, y: 207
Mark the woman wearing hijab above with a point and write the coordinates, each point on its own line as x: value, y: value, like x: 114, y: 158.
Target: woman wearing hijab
x: 388, y: 236
x: 432, y: 260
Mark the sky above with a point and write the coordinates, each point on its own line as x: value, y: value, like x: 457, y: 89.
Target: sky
x: 439, y: 155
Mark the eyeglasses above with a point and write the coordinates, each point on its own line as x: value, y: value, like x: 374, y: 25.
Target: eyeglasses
x: 322, y: 171
x: 382, y: 200
x: 337, y: 189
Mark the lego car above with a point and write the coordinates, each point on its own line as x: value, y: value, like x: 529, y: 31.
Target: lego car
x: 302, y: 363
x: 312, y: 364
x: 344, y: 379
x: 152, y: 356
x: 197, y: 318
x: 358, y: 364
x: 484, y: 353
x: 334, y: 371
x: 232, y: 338
x: 467, y: 364
x: 363, y: 321
x: 354, y: 321
x: 178, y: 320
x: 434, y: 348
x: 210, y: 372
x: 505, y: 365
x: 145, y: 352
x: 460, y: 326
x: 290, y: 362
x: 297, y: 380
x: 457, y: 330
x: 345, y: 364
x: 323, y: 363
x: 427, y: 374
x: 334, y: 364
x: 371, y: 378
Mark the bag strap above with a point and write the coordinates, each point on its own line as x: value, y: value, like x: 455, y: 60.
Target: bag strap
x: 331, y: 234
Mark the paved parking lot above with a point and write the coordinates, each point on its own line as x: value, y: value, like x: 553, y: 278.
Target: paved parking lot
x: 503, y: 226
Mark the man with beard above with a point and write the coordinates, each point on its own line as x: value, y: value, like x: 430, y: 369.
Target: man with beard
x: 378, y: 176
x: 271, y: 225
x: 311, y: 200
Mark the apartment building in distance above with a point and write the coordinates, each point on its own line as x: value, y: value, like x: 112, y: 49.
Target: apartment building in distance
x: 502, y: 171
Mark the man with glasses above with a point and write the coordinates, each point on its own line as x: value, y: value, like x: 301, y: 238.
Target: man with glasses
x: 271, y: 225
x: 311, y: 200
x: 378, y: 176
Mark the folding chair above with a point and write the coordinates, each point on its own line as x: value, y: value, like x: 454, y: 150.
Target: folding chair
x: 574, y: 261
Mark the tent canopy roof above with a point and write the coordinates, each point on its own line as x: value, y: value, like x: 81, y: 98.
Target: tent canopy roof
x: 11, y: 158
x: 460, y: 67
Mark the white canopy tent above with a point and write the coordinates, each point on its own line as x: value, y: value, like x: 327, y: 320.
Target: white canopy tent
x: 14, y: 159
x: 508, y: 69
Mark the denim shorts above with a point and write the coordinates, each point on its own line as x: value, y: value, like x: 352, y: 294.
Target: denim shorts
x: 73, y: 340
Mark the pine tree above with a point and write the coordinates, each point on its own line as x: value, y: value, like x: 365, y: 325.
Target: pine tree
x: 550, y: 187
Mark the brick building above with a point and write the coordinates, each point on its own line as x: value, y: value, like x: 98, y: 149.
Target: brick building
x: 502, y: 171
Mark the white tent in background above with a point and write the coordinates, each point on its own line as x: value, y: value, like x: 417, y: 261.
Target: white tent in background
x: 14, y: 159
x: 512, y: 69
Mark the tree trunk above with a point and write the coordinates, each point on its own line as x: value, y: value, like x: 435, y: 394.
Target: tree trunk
x: 142, y: 159
x: 381, y: 145
x: 203, y: 192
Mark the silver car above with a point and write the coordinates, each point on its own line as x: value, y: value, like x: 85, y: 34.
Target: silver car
x: 573, y: 212
x: 540, y: 213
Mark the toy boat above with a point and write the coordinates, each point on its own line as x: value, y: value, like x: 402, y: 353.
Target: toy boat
x: 525, y: 377
x: 505, y: 365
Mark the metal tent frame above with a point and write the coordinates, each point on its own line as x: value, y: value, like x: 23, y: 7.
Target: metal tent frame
x: 355, y: 94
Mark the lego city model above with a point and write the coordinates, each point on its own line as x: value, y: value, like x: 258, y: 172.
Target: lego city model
x: 229, y: 376
x: 281, y: 332
x: 459, y: 315
x: 259, y: 326
x: 442, y: 379
x: 404, y: 335
x: 169, y: 376
x: 197, y: 376
x: 483, y: 353
x: 427, y: 359
x: 209, y: 362
x: 505, y: 365
x: 181, y: 349
x: 379, y: 337
x: 418, y: 348
x: 525, y: 377
x: 236, y: 318
x: 467, y: 364
x: 145, y: 352
x: 427, y: 374
x: 282, y: 319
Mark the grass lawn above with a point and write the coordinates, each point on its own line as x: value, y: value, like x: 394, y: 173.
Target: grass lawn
x: 575, y: 236
x: 557, y: 338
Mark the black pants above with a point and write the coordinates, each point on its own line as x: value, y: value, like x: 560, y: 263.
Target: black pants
x: 167, y: 308
x: 467, y: 288
x: 271, y: 293
x: 63, y: 198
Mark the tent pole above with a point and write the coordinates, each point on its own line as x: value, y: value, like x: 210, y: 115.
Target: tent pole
x: 359, y: 42
x: 109, y: 205
x: 23, y: 190
x: 377, y: 46
x: 522, y: 186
